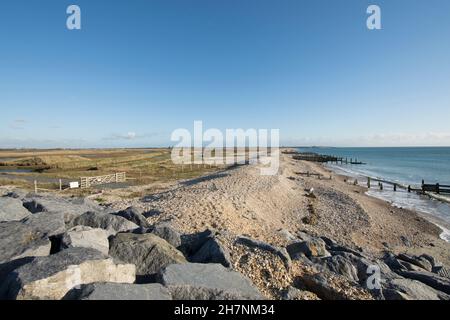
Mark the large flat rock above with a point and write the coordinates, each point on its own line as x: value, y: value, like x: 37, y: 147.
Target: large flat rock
x: 86, y: 237
x: 195, y: 281
x: 71, y: 207
x: 148, y: 252
x: 119, y: 291
x: 106, y: 221
x: 407, y: 289
x: 49, y: 223
x: 12, y: 209
x: 19, y: 240
x: 53, y: 276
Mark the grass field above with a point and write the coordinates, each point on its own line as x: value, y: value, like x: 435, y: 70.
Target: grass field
x: 142, y: 166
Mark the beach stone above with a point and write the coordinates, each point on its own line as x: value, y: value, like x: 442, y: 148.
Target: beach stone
x: 191, y: 243
x: 315, y: 247
x: 195, y: 281
x: 341, y: 266
x: 280, y: 252
x: 20, y: 240
x: 165, y: 231
x: 292, y: 293
x: 134, y: 215
x: 119, y: 291
x: 51, y: 277
x: 319, y: 284
x: 12, y: 209
x: 420, y: 261
x: 86, y: 237
x: 428, y: 278
x: 49, y: 223
x: 212, y: 252
x: 71, y: 207
x: 148, y: 252
x: 113, y: 224
x: 407, y: 289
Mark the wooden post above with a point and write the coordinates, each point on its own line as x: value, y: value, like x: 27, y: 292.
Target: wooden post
x: 60, y: 185
x: 395, y: 187
x: 35, y: 186
x: 437, y: 188
x: 368, y: 182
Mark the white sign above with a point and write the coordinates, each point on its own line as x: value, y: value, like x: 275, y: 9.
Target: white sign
x: 74, y: 185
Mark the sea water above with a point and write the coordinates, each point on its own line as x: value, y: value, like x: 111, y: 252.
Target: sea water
x: 405, y: 166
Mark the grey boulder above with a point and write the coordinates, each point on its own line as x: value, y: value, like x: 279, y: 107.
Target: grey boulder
x: 407, y: 289
x: 430, y: 279
x: 12, y: 209
x: 195, y: 281
x: 148, y: 252
x: 341, y: 266
x: 167, y: 232
x: 134, y: 215
x: 71, y: 207
x: 86, y: 237
x: 113, y: 224
x: 49, y: 223
x: 20, y: 240
x: 212, y: 251
x: 119, y: 291
x: 51, y: 277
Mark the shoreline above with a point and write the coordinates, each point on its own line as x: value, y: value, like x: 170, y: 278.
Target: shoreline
x: 439, y: 222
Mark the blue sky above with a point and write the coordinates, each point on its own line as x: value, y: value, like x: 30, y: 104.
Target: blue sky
x: 140, y: 69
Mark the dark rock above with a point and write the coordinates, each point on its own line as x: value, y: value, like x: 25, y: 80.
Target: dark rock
x: 20, y: 240
x: 165, y: 231
x: 407, y: 289
x: 320, y: 285
x: 51, y: 277
x: 280, y: 252
x: 148, y: 252
x: 11, y: 209
x: 418, y: 261
x: 109, y: 222
x: 195, y: 281
x: 191, y: 243
x: 430, y: 279
x: 212, y: 252
x: 134, y: 215
x: 119, y: 291
x: 341, y: 266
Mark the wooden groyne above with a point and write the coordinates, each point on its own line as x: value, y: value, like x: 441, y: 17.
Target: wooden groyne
x: 321, y: 158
